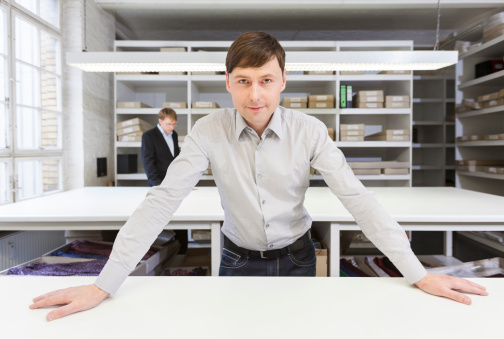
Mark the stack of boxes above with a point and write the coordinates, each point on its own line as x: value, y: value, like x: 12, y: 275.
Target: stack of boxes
x: 174, y: 104
x: 295, y: 102
x: 321, y: 101
x: 369, y: 99
x: 205, y: 104
x: 352, y: 132
x: 132, y: 129
x: 379, y: 167
x: 390, y: 135
x: 397, y: 101
x: 494, y: 27
x: 481, y: 102
x: 486, y: 166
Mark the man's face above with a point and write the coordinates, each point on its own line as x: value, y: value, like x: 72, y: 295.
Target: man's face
x: 168, y: 124
x: 256, y: 91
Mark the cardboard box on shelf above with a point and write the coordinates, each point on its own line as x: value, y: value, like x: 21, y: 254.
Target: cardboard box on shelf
x: 352, y: 138
x: 494, y: 136
x: 295, y: 104
x: 131, y: 129
x: 347, y: 127
x: 321, y: 97
x: 395, y: 72
x: 318, y: 72
x: 172, y: 73
x: 379, y: 164
x: 173, y: 49
x: 174, y: 104
x: 462, y: 109
x: 130, y: 137
x: 397, y: 104
x: 359, y: 132
x: 479, y: 162
x: 390, y: 135
x: 369, y: 104
x: 471, y: 104
x: 495, y: 170
x: 321, y: 266
x: 395, y: 171
x: 470, y: 138
x: 321, y: 104
x: 487, y: 97
x: 205, y: 104
x: 397, y: 98
x: 366, y: 171
x: 132, y: 122
x: 493, y: 103
x: 331, y: 133
x: 295, y: 99
x: 370, y: 96
x: 205, y: 73
x: 352, y: 72
x: 131, y: 104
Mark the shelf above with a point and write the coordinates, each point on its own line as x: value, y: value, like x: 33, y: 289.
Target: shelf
x: 306, y: 77
x: 384, y: 177
x: 374, y: 111
x: 433, y: 77
x: 427, y: 100
x: 153, y: 79
x: 428, y: 123
x: 450, y: 167
x: 148, y: 111
x: 426, y: 167
x: 205, y: 111
x: 132, y: 176
x: 490, y: 110
x: 482, y: 240
x: 315, y: 111
x: 426, y: 145
x: 375, y: 77
x: 130, y: 144
x: 481, y: 143
x: 492, y: 48
x: 372, y: 143
x: 494, y: 79
x: 482, y: 175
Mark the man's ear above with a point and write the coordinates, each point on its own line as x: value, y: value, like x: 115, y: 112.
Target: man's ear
x: 284, y: 79
x: 227, y: 82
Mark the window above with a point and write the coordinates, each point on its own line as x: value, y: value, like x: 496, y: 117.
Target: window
x: 45, y: 9
x: 38, y: 89
x: 30, y: 124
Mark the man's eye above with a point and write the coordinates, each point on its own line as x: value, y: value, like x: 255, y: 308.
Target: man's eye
x: 267, y: 81
x: 242, y: 81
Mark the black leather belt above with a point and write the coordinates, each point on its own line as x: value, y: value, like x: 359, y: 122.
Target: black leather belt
x: 295, y: 246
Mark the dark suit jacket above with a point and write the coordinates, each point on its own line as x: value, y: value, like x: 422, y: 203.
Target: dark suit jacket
x: 156, y: 155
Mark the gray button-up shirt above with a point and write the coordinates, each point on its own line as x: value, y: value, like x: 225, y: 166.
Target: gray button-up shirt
x: 262, y: 183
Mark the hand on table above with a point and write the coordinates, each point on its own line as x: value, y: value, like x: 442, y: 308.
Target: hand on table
x: 75, y: 299
x: 450, y: 287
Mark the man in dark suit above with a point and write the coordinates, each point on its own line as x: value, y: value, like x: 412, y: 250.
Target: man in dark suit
x: 159, y: 148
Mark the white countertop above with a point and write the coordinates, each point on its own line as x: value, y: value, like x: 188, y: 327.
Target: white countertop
x: 253, y: 307
x: 115, y: 204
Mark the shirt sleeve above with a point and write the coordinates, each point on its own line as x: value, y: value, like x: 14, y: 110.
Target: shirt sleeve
x: 154, y: 213
x: 376, y: 223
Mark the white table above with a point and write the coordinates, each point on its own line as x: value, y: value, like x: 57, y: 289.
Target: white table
x: 253, y: 307
x: 415, y: 208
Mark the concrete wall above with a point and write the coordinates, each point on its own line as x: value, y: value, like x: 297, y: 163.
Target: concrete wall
x: 88, y: 98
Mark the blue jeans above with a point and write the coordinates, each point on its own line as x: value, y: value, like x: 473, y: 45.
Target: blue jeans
x: 300, y: 263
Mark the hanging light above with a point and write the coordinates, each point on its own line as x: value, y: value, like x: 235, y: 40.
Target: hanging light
x: 295, y: 61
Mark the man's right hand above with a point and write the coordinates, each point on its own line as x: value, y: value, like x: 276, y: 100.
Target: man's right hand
x: 74, y: 299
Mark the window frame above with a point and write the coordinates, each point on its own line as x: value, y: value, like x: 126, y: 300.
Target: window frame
x: 10, y: 179
x: 41, y: 159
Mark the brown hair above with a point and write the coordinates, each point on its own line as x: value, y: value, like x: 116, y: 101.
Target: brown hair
x: 254, y: 49
x: 167, y: 112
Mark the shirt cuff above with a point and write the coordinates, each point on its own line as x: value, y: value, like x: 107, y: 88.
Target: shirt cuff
x: 411, y: 268
x: 111, y: 277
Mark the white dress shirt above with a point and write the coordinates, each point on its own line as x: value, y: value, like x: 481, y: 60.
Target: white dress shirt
x: 262, y: 184
x: 168, y: 138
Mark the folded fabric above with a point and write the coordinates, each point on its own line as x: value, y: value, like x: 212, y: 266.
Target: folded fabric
x: 379, y: 272
x: 348, y: 272
x: 388, y: 264
x: 342, y: 273
x: 379, y: 263
x: 91, y: 247
x: 198, y: 271
x: 81, y: 268
x: 72, y: 254
x: 348, y: 266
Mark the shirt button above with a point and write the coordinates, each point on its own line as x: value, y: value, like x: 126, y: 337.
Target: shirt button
x: 259, y: 176
x: 271, y: 246
x: 264, y: 201
x: 267, y: 225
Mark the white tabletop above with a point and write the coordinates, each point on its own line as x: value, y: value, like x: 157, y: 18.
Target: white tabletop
x: 252, y: 307
x: 116, y: 204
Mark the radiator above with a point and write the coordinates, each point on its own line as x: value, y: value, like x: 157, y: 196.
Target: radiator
x: 19, y: 247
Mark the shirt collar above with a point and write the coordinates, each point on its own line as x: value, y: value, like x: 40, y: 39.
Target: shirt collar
x: 163, y: 132
x: 275, y: 124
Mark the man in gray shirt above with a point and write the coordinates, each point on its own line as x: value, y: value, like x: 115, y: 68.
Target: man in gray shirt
x: 260, y: 154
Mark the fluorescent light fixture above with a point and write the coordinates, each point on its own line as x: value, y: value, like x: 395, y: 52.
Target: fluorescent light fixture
x: 295, y: 61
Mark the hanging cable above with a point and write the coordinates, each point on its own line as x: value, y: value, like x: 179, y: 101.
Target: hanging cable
x: 84, y: 26
x: 436, y: 45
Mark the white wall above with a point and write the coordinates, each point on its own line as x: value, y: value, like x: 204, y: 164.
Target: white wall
x: 88, y: 111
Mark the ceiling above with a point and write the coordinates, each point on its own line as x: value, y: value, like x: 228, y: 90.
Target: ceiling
x: 297, y: 20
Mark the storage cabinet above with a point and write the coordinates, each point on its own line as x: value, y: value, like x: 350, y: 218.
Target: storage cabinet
x: 154, y: 89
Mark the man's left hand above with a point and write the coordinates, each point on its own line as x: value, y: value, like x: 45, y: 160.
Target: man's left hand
x: 450, y: 287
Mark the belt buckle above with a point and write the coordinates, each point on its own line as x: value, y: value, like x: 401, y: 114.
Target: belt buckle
x: 262, y: 255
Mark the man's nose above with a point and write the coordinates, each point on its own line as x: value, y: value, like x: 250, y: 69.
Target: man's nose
x: 255, y: 92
